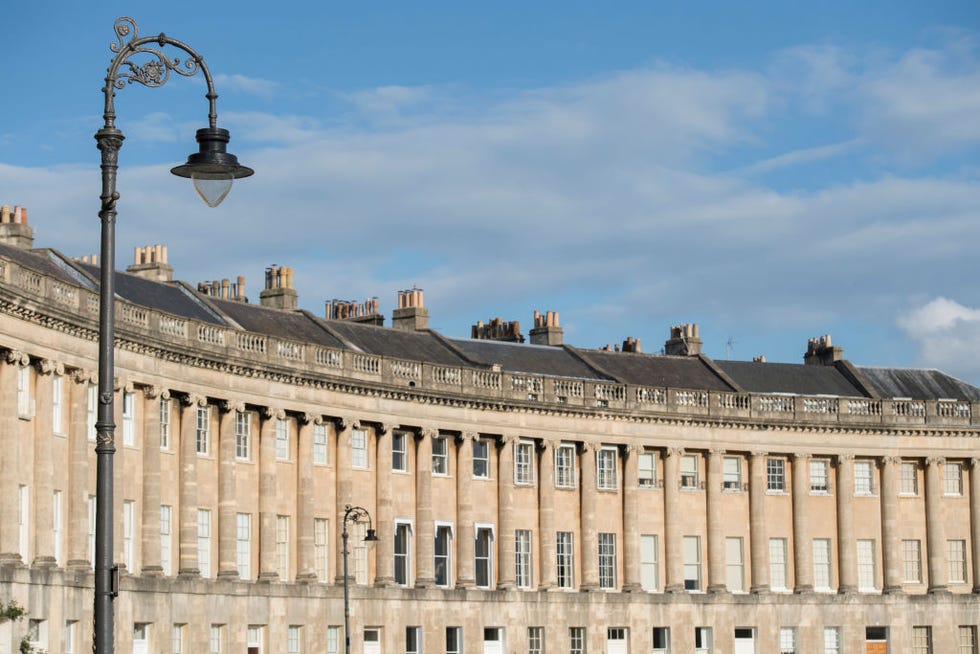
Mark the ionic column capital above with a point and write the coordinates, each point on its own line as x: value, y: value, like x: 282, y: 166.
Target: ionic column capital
x: 845, y: 458
x: 715, y: 452
x: 468, y: 436
x: 759, y: 454
x: 153, y: 392
x: 632, y: 448
x: 673, y: 451
x: 508, y: 439
x: 227, y: 406
x: 344, y: 423
x: 975, y: 462
x: 306, y: 418
x: 588, y: 446
x: 269, y: 413
x: 82, y: 376
x: 802, y: 456
x: 546, y: 444
x: 935, y: 460
x: 192, y: 399
x: 890, y: 460
x: 428, y: 432
x: 17, y: 357
x: 48, y: 366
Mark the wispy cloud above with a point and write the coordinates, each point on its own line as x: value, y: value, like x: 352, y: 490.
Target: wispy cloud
x: 245, y: 84
x: 798, y: 157
x: 947, y: 334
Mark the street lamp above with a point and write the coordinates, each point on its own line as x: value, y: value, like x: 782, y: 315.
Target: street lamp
x: 212, y: 170
x: 353, y: 515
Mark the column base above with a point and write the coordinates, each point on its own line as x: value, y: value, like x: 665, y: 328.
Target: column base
x: 267, y: 577
x: 11, y: 558
x: 154, y: 571
x: 716, y: 589
x: 505, y: 585
x: 465, y: 584
x: 78, y: 565
x: 44, y: 562
x: 229, y: 574
x: 892, y: 590
x: 381, y: 582
x: 847, y: 590
x: 675, y: 589
x: 939, y: 590
x: 188, y: 572
x: 426, y: 582
x: 306, y: 578
x: 803, y: 590
x: 760, y: 590
x: 632, y: 588
x: 588, y: 588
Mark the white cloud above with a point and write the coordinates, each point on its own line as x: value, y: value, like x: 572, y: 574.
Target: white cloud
x: 245, y: 84
x: 947, y: 334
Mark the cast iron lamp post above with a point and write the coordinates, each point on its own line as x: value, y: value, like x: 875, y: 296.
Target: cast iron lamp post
x: 353, y: 515
x: 212, y: 170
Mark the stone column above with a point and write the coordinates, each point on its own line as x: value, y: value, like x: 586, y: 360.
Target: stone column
x: 425, y: 534
x: 384, y: 557
x: 465, y: 540
x: 632, y: 581
x: 188, y: 563
x: 758, y: 534
x: 802, y: 545
x: 78, y: 469
x: 590, y: 534
x: 846, y: 547
x: 717, y: 579
x: 268, y: 570
x: 935, y: 525
x: 673, y: 543
x: 344, y: 427
x: 150, y: 523
x: 306, y: 564
x: 43, y: 506
x: 506, y: 571
x: 227, y: 490
x: 891, y: 553
x: 546, y: 516
x: 975, y: 519
x: 10, y: 461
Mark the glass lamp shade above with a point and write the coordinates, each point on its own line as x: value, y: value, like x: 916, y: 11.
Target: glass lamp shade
x: 212, y: 169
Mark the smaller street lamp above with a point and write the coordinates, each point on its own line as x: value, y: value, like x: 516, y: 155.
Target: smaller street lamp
x: 353, y: 515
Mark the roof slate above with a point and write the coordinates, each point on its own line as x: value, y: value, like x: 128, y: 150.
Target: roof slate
x: 657, y: 369
x: 525, y: 358
x: 796, y: 378
x: 390, y: 342
x: 919, y: 384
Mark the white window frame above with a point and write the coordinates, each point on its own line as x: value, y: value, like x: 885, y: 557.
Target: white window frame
x: 912, y: 561
x: 129, y: 419
x: 243, y: 435
x: 484, y: 459
x: 25, y: 410
x: 57, y: 518
x: 819, y: 476
x: 734, y: 564
x: 565, y: 559
x: 359, y: 449
x: 399, y: 451
x: 646, y: 465
x: 283, y: 427
x: 204, y: 542
x: 831, y: 640
x: 177, y: 638
x: 778, y: 578
x: 703, y: 640
x: 776, y: 475
x: 607, y: 468
x: 787, y: 640
x: 688, y: 470
x: 321, y: 450
x: 731, y: 471
x: 660, y: 637
x: 294, y: 639
x: 454, y: 642
x: 952, y: 479
x: 128, y: 535
x: 908, y: 475
x: 360, y: 552
x: 956, y: 560
x: 864, y: 478
x: 91, y: 411
x: 535, y: 640
x: 867, y: 568
x: 440, y: 456
x: 255, y: 637
x: 333, y: 640
x: 413, y: 640
x: 23, y: 522
x: 490, y: 533
x: 243, y: 545
x: 576, y: 640
x: 607, y: 560
x: 166, y: 539
x: 91, y: 505
x: 822, y: 565
x: 650, y: 562
x: 693, y: 580
x: 524, y: 463
x: 522, y: 558
x: 165, y: 409
x: 283, y: 529
x: 216, y: 639
x: 321, y: 548
x: 57, y: 405
x: 565, y: 455
x: 921, y: 639
x: 203, y: 430
x: 445, y: 529
x: 967, y: 639
x: 404, y: 530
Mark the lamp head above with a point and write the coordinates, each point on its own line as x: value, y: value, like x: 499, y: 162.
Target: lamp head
x: 371, y: 536
x: 212, y: 169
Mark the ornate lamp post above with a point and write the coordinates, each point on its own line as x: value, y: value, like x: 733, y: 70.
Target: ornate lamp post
x: 353, y: 515
x: 212, y: 170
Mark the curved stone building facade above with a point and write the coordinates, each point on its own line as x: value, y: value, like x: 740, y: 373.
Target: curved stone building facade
x: 528, y: 497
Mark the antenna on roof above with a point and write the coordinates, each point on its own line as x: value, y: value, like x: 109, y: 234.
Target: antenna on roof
x: 729, y: 346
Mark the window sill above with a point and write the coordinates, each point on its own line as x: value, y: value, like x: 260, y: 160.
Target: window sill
x: 777, y: 492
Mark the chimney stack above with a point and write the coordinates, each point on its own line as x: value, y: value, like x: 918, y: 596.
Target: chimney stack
x: 411, y: 314
x: 366, y: 313
x: 278, y: 292
x: 820, y: 352
x: 684, y: 340
x: 546, y: 329
x: 14, y: 230
x: 632, y: 345
x: 497, y: 330
x: 150, y: 262
x: 224, y: 289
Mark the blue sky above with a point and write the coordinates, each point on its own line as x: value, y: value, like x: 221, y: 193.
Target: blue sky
x: 772, y: 171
